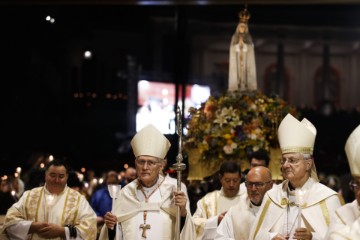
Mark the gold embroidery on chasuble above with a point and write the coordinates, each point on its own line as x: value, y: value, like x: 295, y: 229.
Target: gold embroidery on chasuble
x: 69, y: 210
x: 325, y: 212
x: 71, y: 207
x: 32, y: 204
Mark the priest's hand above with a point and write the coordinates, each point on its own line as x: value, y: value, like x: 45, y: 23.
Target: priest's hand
x: 221, y: 216
x: 110, y: 220
x: 180, y: 201
x: 52, y: 231
x: 302, y: 234
x: 36, y: 227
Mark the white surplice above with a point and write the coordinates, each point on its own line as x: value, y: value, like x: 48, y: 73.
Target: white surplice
x: 208, y: 209
x: 238, y: 220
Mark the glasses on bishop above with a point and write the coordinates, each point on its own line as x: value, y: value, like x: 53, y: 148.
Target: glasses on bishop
x: 149, y: 163
x: 258, y: 185
x: 354, y: 186
x: 291, y: 161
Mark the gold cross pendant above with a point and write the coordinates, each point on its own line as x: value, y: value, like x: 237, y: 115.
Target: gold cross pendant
x: 144, y: 227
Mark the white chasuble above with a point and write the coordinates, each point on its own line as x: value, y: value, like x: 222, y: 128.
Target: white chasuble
x: 160, y: 214
x: 238, y: 220
x: 208, y: 209
x: 69, y: 207
x: 278, y: 214
x: 343, y: 218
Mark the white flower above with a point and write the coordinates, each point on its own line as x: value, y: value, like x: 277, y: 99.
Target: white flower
x: 228, y: 149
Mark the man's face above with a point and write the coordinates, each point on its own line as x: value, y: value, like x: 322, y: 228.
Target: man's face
x: 148, y: 169
x: 258, y: 182
x: 257, y: 162
x: 112, y: 178
x: 230, y: 183
x: 56, y: 178
x: 295, y: 167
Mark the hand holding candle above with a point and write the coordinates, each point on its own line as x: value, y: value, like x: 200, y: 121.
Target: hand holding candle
x: 114, y: 190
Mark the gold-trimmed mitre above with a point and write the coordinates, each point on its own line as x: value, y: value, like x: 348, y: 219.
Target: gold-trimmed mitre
x: 149, y: 141
x: 352, y: 150
x: 296, y: 136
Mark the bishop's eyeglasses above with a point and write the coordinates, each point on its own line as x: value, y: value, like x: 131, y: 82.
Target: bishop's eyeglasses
x: 149, y: 163
x: 258, y: 185
x: 291, y: 161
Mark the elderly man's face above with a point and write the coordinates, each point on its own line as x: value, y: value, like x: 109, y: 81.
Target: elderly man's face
x: 148, y: 169
x: 258, y: 182
x: 295, y: 167
x: 56, y: 178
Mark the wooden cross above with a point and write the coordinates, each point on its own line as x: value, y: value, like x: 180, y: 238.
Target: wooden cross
x: 144, y: 227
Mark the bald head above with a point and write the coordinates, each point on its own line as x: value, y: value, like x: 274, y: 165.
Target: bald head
x: 258, y: 182
x: 261, y: 172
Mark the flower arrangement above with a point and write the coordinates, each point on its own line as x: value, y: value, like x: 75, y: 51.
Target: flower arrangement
x: 234, y: 125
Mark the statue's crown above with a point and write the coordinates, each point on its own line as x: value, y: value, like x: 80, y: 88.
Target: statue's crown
x: 244, y: 16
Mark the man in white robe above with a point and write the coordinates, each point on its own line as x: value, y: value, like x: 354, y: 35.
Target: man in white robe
x: 146, y: 208
x: 212, y: 208
x: 348, y: 232
x: 300, y: 207
x: 345, y: 220
x: 238, y: 220
x: 54, y: 211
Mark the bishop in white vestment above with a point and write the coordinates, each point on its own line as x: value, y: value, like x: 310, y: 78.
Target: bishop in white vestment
x: 300, y: 207
x: 345, y: 220
x: 146, y: 208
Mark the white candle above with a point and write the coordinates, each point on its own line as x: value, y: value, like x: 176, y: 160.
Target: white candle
x: 300, y: 201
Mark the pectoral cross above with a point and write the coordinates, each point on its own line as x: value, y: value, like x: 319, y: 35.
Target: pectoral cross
x: 144, y: 227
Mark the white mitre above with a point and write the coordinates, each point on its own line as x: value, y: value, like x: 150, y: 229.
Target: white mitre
x: 149, y: 141
x: 295, y: 136
x: 352, y: 150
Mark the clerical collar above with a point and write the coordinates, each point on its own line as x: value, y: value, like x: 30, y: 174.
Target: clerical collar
x: 253, y: 205
x: 254, y: 208
x: 307, y: 185
x: 291, y: 188
x: 148, y: 189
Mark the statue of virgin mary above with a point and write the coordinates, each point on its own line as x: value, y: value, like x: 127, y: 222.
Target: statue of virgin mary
x: 242, y: 68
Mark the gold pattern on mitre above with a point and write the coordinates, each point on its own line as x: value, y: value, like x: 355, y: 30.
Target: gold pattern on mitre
x: 296, y: 136
x: 149, y: 141
x: 352, y: 150
x: 244, y: 16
